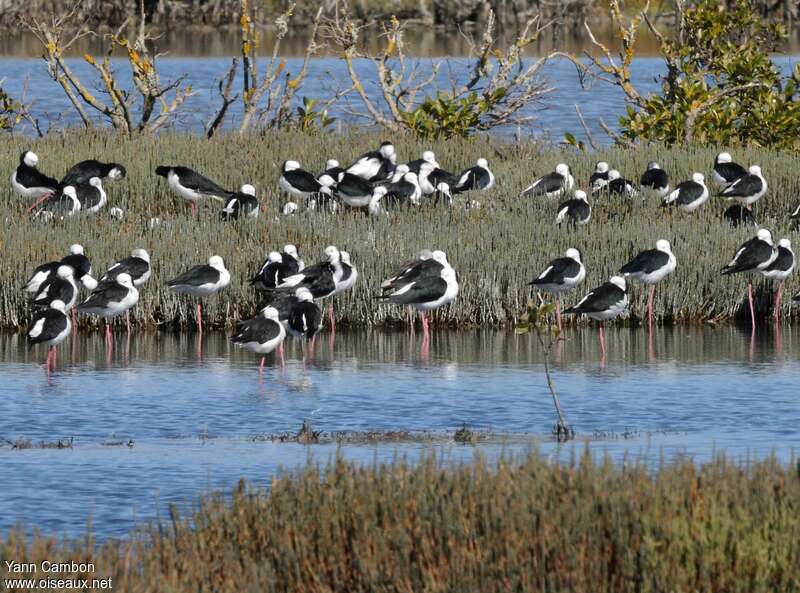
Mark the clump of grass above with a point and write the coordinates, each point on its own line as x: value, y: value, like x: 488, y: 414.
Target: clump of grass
x: 496, y: 249
x: 464, y: 435
x: 520, y: 524
x: 22, y: 443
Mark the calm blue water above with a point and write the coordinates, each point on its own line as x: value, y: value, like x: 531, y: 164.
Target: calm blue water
x: 193, y: 409
x: 327, y: 75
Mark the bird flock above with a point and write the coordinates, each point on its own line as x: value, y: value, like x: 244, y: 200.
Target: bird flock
x: 374, y: 182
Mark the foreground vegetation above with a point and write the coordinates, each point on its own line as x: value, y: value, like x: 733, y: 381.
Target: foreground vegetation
x: 518, y: 525
x: 496, y: 249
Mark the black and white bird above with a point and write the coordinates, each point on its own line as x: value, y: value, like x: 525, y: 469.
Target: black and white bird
x: 190, y: 185
x: 619, y: 186
x: 576, y: 211
x: 262, y: 334
x: 427, y: 157
x: 479, y: 177
x: 110, y: 299
x: 376, y: 165
x: 242, y: 204
x: 81, y: 173
x: 748, y: 189
x: 76, y: 259
x: 299, y: 182
x: 651, y: 267
x: 60, y: 205
x: 332, y: 170
x: 136, y: 265
x: 431, y: 177
x: 607, y: 301
x: 276, y: 268
x: 345, y: 282
x: 738, y: 215
x: 406, y: 191
x: 599, y: 177
x: 726, y: 171
x: 31, y: 183
x: 561, y: 275
x: 399, y: 173
x: 753, y: 256
x: 426, y: 285
x: 91, y: 195
x: 321, y: 278
x: 353, y: 190
x: 304, y: 317
x: 688, y: 195
x: 551, y: 185
x: 60, y: 287
x: 374, y: 207
x: 779, y: 270
x: 50, y: 326
x: 655, y: 179
x: 202, y: 281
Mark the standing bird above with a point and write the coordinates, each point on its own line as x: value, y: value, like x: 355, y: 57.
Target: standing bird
x: 262, y: 334
x: 599, y: 178
x: 779, y: 270
x: 49, y: 326
x: 61, y: 204
x: 111, y: 298
x: 576, y: 211
x: 405, y: 191
x: 376, y: 165
x: 551, y: 185
x: 242, y: 204
x: 76, y: 259
x: 269, y: 274
x: 82, y: 173
x: 753, y: 256
x: 738, y: 215
x: 430, y: 177
x: 190, y: 185
x: 688, y: 195
x: 304, y: 317
x: 748, y: 189
x: 322, y: 279
x: 655, y: 179
x: 651, y: 267
x: 346, y: 282
x: 607, y: 301
x: 136, y: 265
x: 426, y: 285
x: 299, y: 182
x: 353, y: 190
x: 91, y: 195
x: 202, y: 281
x: 561, y: 275
x: 427, y: 157
x: 31, y: 183
x: 726, y: 171
x: 61, y: 287
x: 618, y: 185
x: 478, y: 177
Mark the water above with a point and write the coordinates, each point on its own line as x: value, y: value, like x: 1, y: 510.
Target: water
x: 194, y: 409
x: 326, y: 76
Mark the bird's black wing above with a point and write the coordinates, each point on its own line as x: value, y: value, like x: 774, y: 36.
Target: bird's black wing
x: 32, y: 177
x: 136, y: 267
x: 302, y: 180
x: 654, y: 179
x: 743, y: 187
x: 108, y: 291
x: 258, y: 329
x: 193, y: 180
x: 197, y: 276
x: 646, y: 262
x: 557, y: 271
x: 600, y: 299
x: 730, y: 172
x: 424, y: 290
x: 54, y: 323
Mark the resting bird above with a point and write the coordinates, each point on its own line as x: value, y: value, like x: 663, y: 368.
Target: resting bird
x: 655, y: 179
x: 551, y: 185
x: 49, y: 326
x: 478, y: 177
x: 83, y: 172
x: 651, y: 267
x: 688, y: 195
x: 376, y: 165
x: 607, y: 301
x: 190, y: 185
x: 748, y: 189
x: 726, y: 171
x: 31, y: 183
x: 576, y: 211
x: 242, y: 204
x: 262, y: 334
x: 561, y: 275
x: 202, y: 281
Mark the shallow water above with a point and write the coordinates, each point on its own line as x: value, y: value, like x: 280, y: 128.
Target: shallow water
x: 192, y: 409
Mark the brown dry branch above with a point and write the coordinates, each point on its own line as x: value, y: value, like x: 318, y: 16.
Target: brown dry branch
x: 227, y: 96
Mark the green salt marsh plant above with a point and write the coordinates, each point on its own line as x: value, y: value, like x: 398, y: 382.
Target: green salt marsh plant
x: 495, y: 248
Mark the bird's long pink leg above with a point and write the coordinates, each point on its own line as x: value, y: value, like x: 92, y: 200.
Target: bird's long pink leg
x: 128, y: 320
x: 280, y: 354
x: 74, y: 320
x: 778, y: 298
x: 558, y: 314
x: 750, y: 298
x: 261, y: 366
x: 602, y: 338
x: 38, y: 201
x: 199, y: 318
x: 650, y: 305
x: 193, y: 206
x: 330, y: 317
x: 424, y: 318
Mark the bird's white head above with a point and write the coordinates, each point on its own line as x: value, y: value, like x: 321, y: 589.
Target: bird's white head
x: 248, y: 189
x: 215, y: 261
x: 379, y: 192
x: 601, y: 167
x: 755, y: 170
x: 653, y: 165
x: 440, y: 257
x: 663, y: 245
x: 290, y: 208
x: 290, y: 166
x: 345, y: 257
x: 574, y: 254
x: 304, y: 295
x: 70, y: 191
x: 425, y: 254
x: 125, y: 280
x: 270, y: 313
x: 291, y: 250
x: 331, y: 164
x: 619, y: 281
x: 96, y: 182
x: 402, y: 170
x: 483, y: 163
x: 59, y: 305
x: 274, y: 257
x: 332, y: 254
x: 387, y: 150
x: 429, y: 157
x: 724, y: 157
x: 116, y: 173
x: 562, y: 169
x: 581, y: 195
x: 76, y: 249
x: 425, y: 168
x: 65, y: 272
x: 785, y: 243
x: 411, y: 177
x: 88, y: 282
x: 613, y: 174
x: 764, y: 235
x: 698, y: 178
x: 141, y: 254
x: 30, y: 158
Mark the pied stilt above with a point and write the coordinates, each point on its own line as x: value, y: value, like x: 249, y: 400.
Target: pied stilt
x: 655, y: 179
x: 726, y: 171
x: 49, y: 326
x: 262, y: 334
x: 376, y: 165
x: 76, y: 260
x: 406, y: 191
x: 561, y: 275
x: 190, y: 185
x: 428, y: 157
x: 738, y: 215
x: 551, y: 185
x: 60, y: 287
x: 202, y: 281
x: 478, y: 177
x: 299, y: 182
x: 242, y: 204
x: 753, y: 256
x: 688, y: 195
x: 110, y: 299
x: 304, y: 317
x: 322, y: 279
x: 91, y: 195
x: 353, y: 190
x: 599, y: 177
x: 619, y: 186
x: 576, y: 211
x: 82, y: 172
x: 651, y: 267
x: 61, y: 204
x: 607, y: 301
x: 779, y: 270
x: 137, y: 266
x: 31, y: 183
x: 748, y: 189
